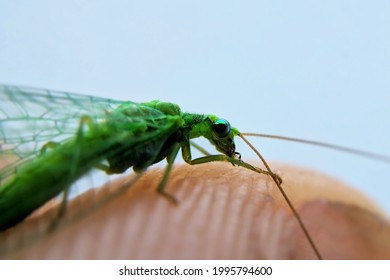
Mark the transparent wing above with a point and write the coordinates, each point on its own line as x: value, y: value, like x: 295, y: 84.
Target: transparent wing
x: 31, y: 117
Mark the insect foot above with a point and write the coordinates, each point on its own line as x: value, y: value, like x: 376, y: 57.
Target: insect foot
x: 170, y: 197
x: 277, y: 178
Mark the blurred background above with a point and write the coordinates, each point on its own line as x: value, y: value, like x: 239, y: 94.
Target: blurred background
x: 307, y: 69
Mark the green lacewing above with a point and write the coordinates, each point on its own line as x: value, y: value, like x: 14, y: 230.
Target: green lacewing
x: 50, y: 139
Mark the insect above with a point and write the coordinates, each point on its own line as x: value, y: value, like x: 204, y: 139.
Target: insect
x: 55, y: 147
x: 50, y: 139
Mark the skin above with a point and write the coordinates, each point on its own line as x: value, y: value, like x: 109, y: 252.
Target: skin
x: 224, y: 212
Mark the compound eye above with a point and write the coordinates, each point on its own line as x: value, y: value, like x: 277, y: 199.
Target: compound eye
x: 221, y: 128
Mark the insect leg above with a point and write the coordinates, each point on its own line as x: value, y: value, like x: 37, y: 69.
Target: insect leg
x: 170, y: 159
x: 234, y: 161
x: 186, y: 153
x: 85, y: 121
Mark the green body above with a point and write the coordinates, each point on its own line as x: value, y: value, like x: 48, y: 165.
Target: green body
x: 129, y: 135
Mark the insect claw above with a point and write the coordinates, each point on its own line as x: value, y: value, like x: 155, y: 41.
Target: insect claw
x: 277, y: 178
x: 170, y: 197
x: 53, y: 225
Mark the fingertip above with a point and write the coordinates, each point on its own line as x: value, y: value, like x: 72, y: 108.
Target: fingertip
x: 224, y: 212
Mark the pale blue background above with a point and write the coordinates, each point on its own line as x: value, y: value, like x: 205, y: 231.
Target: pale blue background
x: 309, y: 69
